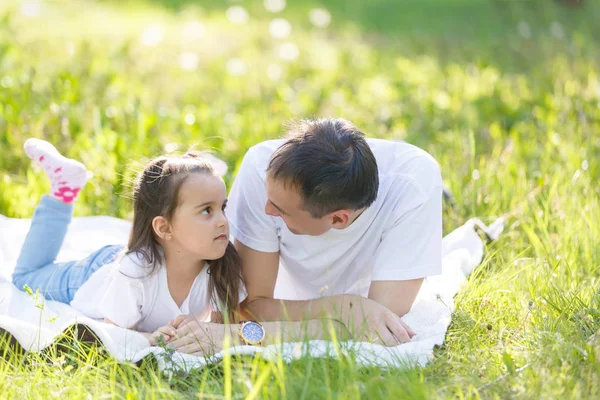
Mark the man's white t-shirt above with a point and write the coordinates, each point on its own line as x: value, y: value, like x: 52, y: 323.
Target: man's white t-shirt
x: 398, y: 237
x: 127, y: 294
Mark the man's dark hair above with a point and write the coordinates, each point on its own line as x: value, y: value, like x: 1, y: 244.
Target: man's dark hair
x: 331, y: 164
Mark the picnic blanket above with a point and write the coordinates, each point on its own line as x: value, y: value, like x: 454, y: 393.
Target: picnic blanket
x: 34, y: 324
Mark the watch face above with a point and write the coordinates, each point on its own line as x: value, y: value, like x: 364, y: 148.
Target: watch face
x: 253, y: 332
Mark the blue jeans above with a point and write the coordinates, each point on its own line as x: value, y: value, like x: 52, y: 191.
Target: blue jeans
x: 36, y: 267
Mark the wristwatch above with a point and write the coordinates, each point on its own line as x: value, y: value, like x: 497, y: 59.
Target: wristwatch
x: 252, y: 333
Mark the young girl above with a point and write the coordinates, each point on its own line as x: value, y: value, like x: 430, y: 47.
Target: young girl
x: 178, y: 260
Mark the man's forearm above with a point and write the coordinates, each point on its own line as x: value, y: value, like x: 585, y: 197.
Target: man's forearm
x: 295, y: 331
x: 337, y: 307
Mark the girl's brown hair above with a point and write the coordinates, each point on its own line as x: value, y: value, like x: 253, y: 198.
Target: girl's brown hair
x: 156, y: 193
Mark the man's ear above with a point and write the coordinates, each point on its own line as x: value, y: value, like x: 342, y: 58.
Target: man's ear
x: 340, y: 219
x: 161, y: 227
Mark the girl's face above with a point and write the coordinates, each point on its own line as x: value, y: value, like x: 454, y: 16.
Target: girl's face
x: 199, y: 226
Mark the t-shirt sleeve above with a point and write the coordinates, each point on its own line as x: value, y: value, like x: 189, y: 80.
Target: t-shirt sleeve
x: 123, y: 300
x: 412, y: 247
x: 246, y: 208
x: 242, y: 296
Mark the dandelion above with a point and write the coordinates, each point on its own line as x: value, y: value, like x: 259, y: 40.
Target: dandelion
x: 320, y: 17
x: 31, y: 9
x: 152, y: 35
x: 280, y: 28
x: 189, y: 61
x: 171, y: 147
x: 6, y: 82
x: 274, y: 72
x: 289, y: 51
x: 237, y: 67
x: 524, y: 30
x: 274, y: 6
x: 111, y: 112
x: 190, y: 118
x: 557, y: 30
x: 193, y: 30
x: 237, y: 15
x: 70, y: 49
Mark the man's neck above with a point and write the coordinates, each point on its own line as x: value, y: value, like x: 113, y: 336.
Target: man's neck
x: 356, y: 214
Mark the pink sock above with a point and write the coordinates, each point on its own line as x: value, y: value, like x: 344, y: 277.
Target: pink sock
x: 67, y: 176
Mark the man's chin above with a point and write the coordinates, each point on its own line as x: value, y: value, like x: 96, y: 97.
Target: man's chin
x: 295, y: 231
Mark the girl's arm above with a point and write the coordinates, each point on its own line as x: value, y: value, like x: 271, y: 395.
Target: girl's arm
x: 167, y: 331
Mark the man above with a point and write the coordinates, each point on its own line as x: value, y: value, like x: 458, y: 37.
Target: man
x: 328, y: 223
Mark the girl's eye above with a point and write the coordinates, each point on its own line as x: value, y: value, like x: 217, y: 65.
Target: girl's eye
x: 206, y: 211
x: 224, y: 207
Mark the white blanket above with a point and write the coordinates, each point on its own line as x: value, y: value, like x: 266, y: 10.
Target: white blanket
x: 35, y: 324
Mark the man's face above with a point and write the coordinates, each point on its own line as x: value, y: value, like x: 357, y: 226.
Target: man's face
x: 286, y: 202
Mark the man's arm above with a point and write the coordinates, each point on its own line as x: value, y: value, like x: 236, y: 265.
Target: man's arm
x: 398, y: 296
x: 366, y: 318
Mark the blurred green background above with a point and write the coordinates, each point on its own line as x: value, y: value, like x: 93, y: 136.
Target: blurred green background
x: 504, y: 94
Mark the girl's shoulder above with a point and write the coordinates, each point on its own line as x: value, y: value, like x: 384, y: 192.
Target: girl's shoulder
x: 135, y: 265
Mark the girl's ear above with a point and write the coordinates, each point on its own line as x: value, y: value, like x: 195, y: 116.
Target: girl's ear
x: 161, y: 227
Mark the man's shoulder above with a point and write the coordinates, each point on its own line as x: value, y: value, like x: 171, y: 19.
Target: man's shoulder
x: 400, y: 163
x: 261, y: 152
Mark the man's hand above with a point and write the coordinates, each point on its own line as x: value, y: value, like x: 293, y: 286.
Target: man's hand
x: 373, y: 322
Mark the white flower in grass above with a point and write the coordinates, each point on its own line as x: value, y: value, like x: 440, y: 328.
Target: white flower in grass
x: 274, y: 72
x: 70, y: 49
x: 31, y: 9
x: 280, y: 28
x: 189, y: 61
x: 237, y: 15
x: 289, y: 51
x: 189, y: 119
x: 274, y: 6
x: 524, y: 30
x: 6, y: 82
x: 236, y: 67
x: 111, y: 112
x: 320, y: 17
x: 557, y: 30
x: 585, y: 165
x: 171, y: 147
x: 153, y: 35
x: 475, y: 175
x: 193, y: 30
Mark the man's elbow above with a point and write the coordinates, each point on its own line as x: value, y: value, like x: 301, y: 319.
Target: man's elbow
x: 251, y: 307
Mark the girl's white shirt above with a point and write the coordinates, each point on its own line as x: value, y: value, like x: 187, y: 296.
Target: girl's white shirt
x: 126, y: 293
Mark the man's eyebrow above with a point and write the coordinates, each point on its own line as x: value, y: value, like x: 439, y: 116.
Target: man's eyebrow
x: 277, y: 207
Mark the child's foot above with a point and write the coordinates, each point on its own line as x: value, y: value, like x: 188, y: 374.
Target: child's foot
x: 67, y: 176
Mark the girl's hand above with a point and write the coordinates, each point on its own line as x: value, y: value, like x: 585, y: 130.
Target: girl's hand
x: 167, y: 332
x: 181, y: 320
x: 202, y: 338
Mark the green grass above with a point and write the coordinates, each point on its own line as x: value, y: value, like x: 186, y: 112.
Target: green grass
x: 506, y: 96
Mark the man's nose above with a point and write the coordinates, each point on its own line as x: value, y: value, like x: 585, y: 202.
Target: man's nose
x: 270, y: 210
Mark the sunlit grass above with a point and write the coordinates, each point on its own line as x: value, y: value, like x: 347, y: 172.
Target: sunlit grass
x: 509, y: 108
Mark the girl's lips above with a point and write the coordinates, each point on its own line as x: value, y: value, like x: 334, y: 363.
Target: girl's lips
x: 221, y: 237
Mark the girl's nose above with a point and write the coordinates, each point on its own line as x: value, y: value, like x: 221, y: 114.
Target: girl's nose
x: 222, y: 219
